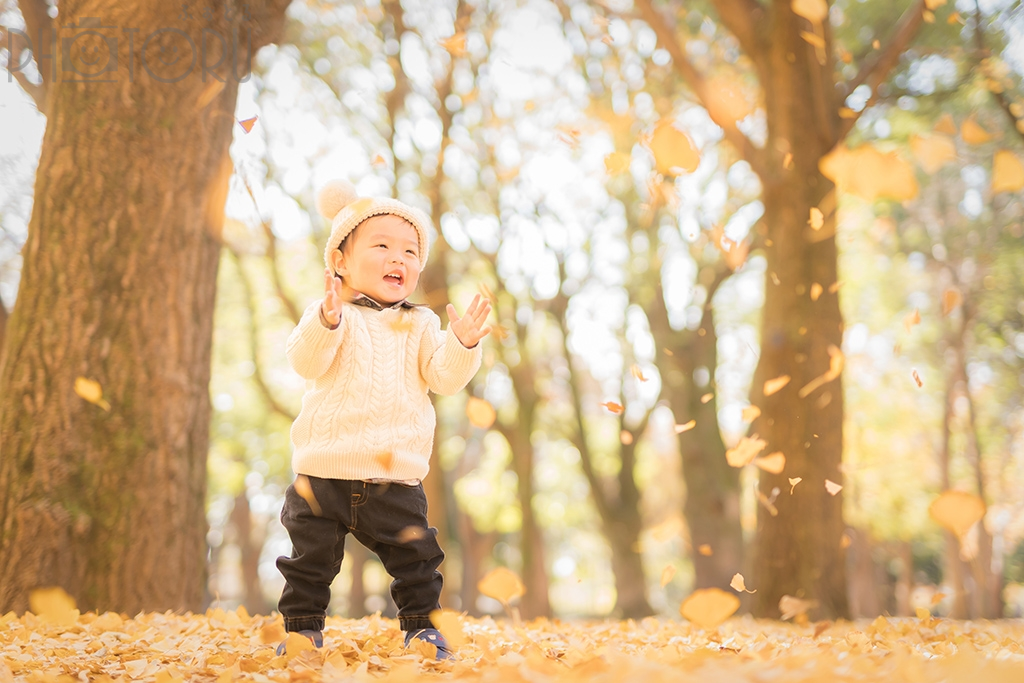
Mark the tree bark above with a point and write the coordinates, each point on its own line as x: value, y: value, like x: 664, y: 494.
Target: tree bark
x: 118, y: 282
x: 249, y: 555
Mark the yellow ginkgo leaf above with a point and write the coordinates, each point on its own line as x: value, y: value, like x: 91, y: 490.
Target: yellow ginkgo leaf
x: 745, y: 451
x: 685, y: 427
x: 816, y: 290
x: 91, y: 391
x: 247, y: 124
x: 812, y: 38
x: 793, y: 481
x: 832, y: 487
x: 705, y: 550
x: 706, y: 397
x: 913, y: 318
x: 673, y: 150
x: 637, y: 372
x: 450, y: 625
x: 773, y: 462
x: 870, y: 174
x: 751, y: 413
x: 835, y: 368
x: 502, y: 584
x: 709, y: 607
x: 1007, y: 172
x: 957, y: 511
x: 612, y: 406
x: 934, y: 4
x: 296, y: 643
x: 951, y: 298
x: 305, y: 490
x: 666, y: 574
x: 972, y: 133
x: 53, y: 606
x: 771, y: 386
x: 616, y: 163
x: 933, y: 151
x: 729, y: 99
x: 455, y: 45
x: 739, y: 585
x: 480, y: 412
x: 813, y: 11
x: 626, y: 437
x: 791, y: 606
x: 946, y: 125
x: 411, y: 533
x: 817, y: 219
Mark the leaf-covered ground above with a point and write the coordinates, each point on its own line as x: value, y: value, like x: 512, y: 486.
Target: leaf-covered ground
x: 228, y: 646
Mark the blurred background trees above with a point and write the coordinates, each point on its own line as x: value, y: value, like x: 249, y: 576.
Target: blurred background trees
x: 635, y: 185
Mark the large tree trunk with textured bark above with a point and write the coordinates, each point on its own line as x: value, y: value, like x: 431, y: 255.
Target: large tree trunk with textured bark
x: 798, y: 551
x: 106, y: 498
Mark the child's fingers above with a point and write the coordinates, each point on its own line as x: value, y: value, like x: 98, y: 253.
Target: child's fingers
x: 453, y: 317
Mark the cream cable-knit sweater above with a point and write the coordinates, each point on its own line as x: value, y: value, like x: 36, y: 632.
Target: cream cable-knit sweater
x: 366, y: 413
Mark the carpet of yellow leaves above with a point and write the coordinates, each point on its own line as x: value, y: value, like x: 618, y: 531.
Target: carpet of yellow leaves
x: 228, y: 646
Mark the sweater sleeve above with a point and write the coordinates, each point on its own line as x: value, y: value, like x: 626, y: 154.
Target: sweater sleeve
x: 446, y: 365
x: 311, y: 346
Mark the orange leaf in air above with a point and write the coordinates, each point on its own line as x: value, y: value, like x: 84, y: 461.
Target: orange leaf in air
x: 950, y: 300
x: 912, y: 319
x: 816, y: 291
x: 385, y: 460
x: 773, y: 463
x: 305, y: 490
x: 835, y: 368
x: 933, y: 151
x: 666, y: 574
x: 617, y: 163
x: 450, y: 625
x: 612, y: 406
x: 480, y: 412
x: 626, y: 437
x: 832, y: 487
x: 745, y: 451
x: 686, y: 427
x: 502, y: 584
x: 973, y: 134
x: 739, y: 585
x: 91, y: 391
x: 793, y: 481
x: 410, y: 534
x: 817, y: 219
x: 53, y: 605
x: 709, y: 607
x: 637, y: 372
x: 706, y: 397
x: 813, y: 11
x: 751, y: 413
x: 705, y: 550
x: 773, y: 385
x: 791, y: 606
x: 1007, y: 172
x: 247, y: 124
x: 673, y: 150
x: 946, y: 125
x: 917, y: 378
x: 455, y: 45
x: 869, y: 173
x: 957, y: 511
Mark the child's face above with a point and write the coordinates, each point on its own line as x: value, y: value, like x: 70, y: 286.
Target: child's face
x: 383, y: 260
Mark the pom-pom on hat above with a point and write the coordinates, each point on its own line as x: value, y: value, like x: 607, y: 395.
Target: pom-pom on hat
x: 339, y: 203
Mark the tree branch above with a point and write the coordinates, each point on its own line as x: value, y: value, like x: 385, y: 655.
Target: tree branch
x: 876, y: 69
x: 743, y: 18
x: 685, y: 68
x: 257, y: 374
x: 1004, y: 103
x: 16, y: 45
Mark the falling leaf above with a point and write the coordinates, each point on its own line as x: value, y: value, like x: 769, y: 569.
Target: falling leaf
x: 812, y: 39
x: 773, y: 385
x: 1007, y: 172
x: 835, y: 368
x: 450, y: 625
x: 912, y: 319
x: 379, y: 161
x: 821, y: 626
x: 637, y: 372
x: 305, y: 490
x: 845, y: 541
x: 934, y: 4
x: 672, y: 149
x: 686, y: 427
x: 739, y: 585
x: 787, y: 161
x: 617, y: 163
x: 957, y: 511
x: 455, y: 45
x: 53, y: 606
x: 385, y: 460
x: 91, y: 391
x: 877, y: 44
x: 972, y: 133
x: 751, y: 413
x: 946, y: 125
x: 666, y: 574
x: 766, y: 502
x: 705, y: 550
x: 950, y: 300
x: 793, y: 481
x: 612, y: 406
x: 933, y: 151
x: 706, y: 397
x: 668, y: 352
x: 773, y: 463
x: 817, y: 218
x: 502, y: 584
x: 729, y: 97
x: 813, y: 11
x: 709, y: 607
x: 411, y: 533
x: 834, y: 287
x: 745, y: 451
x: 929, y: 17
x: 486, y: 293
x: 626, y: 437
x: 791, y: 606
x: 955, y: 18
x: 247, y: 124
x: 869, y: 173
x: 480, y: 412
x: 917, y: 377
x: 832, y: 487
x: 816, y: 290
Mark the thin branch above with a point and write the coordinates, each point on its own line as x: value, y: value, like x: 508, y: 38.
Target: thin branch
x: 685, y: 68
x: 257, y: 374
x: 746, y: 19
x: 16, y: 46
x: 877, y: 68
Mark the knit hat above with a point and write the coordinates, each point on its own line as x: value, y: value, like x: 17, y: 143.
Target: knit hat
x: 339, y: 203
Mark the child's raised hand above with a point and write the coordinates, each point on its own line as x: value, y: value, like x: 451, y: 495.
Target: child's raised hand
x: 469, y: 328
x: 332, y: 297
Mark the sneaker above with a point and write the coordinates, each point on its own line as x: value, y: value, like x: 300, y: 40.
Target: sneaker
x: 315, y: 637
x: 432, y: 636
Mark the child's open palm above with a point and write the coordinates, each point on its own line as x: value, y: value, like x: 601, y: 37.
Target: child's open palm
x: 333, y: 289
x: 469, y: 328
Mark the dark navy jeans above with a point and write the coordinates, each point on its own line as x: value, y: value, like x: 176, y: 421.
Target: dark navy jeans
x: 390, y: 519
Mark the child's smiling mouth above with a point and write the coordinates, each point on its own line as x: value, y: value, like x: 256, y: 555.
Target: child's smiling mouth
x: 395, y: 279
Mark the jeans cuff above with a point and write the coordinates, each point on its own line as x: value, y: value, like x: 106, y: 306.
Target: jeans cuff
x: 414, y: 623
x: 304, y: 624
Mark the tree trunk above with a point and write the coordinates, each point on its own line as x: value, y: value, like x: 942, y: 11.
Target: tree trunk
x: 864, y: 593
x: 249, y: 555
x: 120, y: 266
x: 798, y: 552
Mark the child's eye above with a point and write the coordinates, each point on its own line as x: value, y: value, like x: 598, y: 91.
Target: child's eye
x: 410, y: 251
